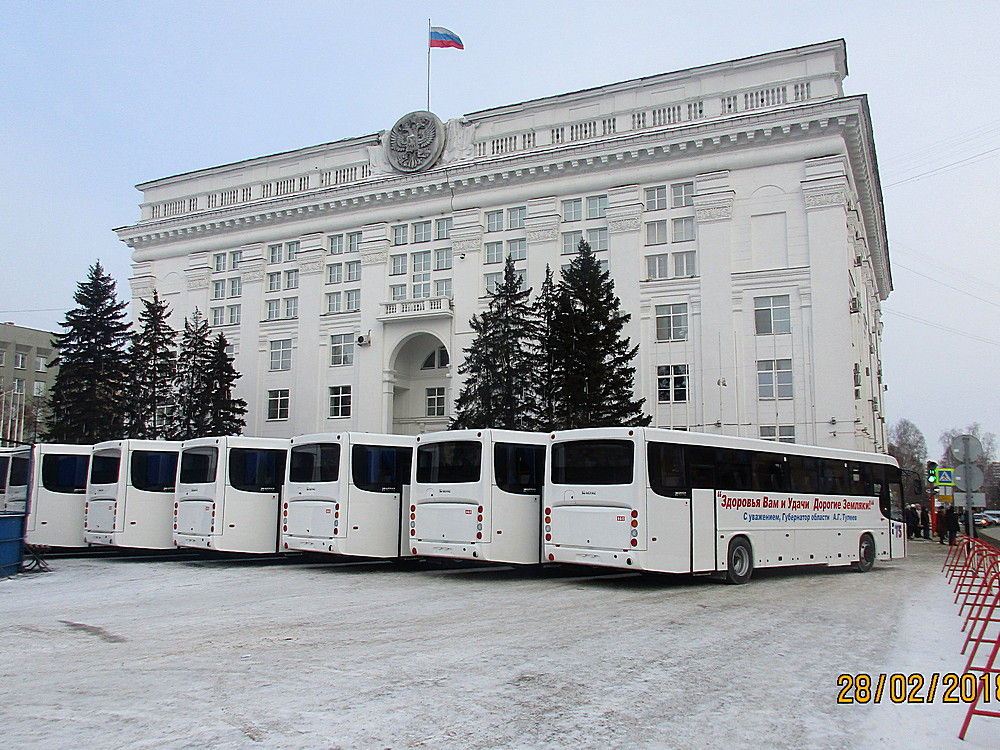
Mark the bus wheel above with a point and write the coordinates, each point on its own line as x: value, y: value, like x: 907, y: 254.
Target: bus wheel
x: 866, y: 554
x: 740, y: 560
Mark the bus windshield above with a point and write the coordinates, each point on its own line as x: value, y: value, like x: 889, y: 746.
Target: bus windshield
x: 449, y: 463
x: 316, y: 462
x: 519, y: 469
x: 380, y: 468
x: 198, y: 465
x: 154, y: 471
x: 593, y: 462
x: 66, y: 474
x: 104, y: 468
x: 256, y: 469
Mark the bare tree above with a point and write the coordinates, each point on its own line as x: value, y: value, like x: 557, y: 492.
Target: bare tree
x: 908, y: 446
x: 988, y: 439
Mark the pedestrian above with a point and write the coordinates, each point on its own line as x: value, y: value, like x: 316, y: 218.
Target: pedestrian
x: 912, y: 522
x: 941, y: 525
x: 925, y: 521
x: 951, y: 523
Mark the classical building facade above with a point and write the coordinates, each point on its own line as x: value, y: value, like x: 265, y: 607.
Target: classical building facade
x: 25, y: 380
x: 736, y: 205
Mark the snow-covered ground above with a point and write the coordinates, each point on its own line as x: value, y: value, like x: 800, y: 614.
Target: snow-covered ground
x: 118, y: 653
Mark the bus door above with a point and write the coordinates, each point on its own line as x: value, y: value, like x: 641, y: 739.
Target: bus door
x: 701, y: 477
x: 196, y: 492
x: 102, y: 496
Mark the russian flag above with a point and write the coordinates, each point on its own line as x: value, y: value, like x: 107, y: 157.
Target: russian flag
x: 441, y: 37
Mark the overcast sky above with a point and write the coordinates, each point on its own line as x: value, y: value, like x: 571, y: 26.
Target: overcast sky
x: 100, y: 96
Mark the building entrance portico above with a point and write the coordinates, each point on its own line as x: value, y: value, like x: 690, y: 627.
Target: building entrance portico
x: 418, y: 385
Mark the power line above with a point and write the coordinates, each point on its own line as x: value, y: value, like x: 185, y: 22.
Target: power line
x: 960, y: 291
x: 945, y: 168
x: 940, y: 327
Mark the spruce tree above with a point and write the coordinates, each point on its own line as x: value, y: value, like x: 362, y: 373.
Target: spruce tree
x: 87, y: 398
x: 226, y: 413
x: 542, y: 401
x: 191, y: 415
x: 153, y: 366
x: 498, y: 363
x: 594, y: 379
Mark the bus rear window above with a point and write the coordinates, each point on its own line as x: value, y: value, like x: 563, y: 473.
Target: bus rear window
x: 67, y: 474
x: 449, y: 463
x: 19, y: 471
x: 593, y: 462
x: 316, y: 462
x: 154, y: 471
x: 198, y: 465
x: 256, y: 469
x: 380, y: 468
x: 104, y: 468
x: 519, y: 469
x: 4, y: 464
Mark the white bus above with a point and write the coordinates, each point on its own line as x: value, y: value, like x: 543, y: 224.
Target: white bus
x: 228, y: 492
x: 346, y: 493
x: 476, y: 495
x: 57, y: 495
x: 15, y: 465
x: 685, y: 502
x: 130, y: 494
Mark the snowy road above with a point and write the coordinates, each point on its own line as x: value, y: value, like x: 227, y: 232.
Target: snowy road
x: 109, y: 653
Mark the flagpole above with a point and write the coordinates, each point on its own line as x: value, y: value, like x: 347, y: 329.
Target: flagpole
x: 428, y: 65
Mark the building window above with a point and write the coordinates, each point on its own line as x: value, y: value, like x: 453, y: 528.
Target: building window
x: 281, y: 354
x: 291, y: 307
x: 597, y: 206
x: 18, y: 385
x: 219, y: 289
x: 492, y: 280
x: 219, y: 262
x: 656, y: 198
x: 685, y: 264
x: 39, y: 364
x: 597, y: 239
x: 397, y: 292
x: 784, y: 433
x: 672, y: 384
x: 435, y: 402
x: 494, y: 221
x: 235, y: 258
x: 656, y: 233
x: 517, y: 249
x: 235, y: 287
x: 494, y: 252
x: 399, y: 234
x: 658, y: 266
x: 353, y: 300
x: 291, y: 250
x: 437, y: 359
x: 442, y: 288
x: 334, y: 273
x: 273, y: 309
x: 442, y: 259
x: 682, y: 194
x: 292, y: 279
x: 333, y: 302
x: 340, y: 401
x: 341, y: 349
x: 353, y: 271
x: 274, y: 281
x: 421, y: 274
x: 572, y: 210
x: 39, y: 389
x: 443, y: 229
x: 354, y: 242
x: 233, y: 313
x: 774, y: 378
x: 422, y: 231
x: 398, y: 265
x: 336, y: 244
x: 516, y: 217
x: 277, y: 404
x: 218, y: 316
x: 571, y: 242
x: 684, y: 229
x: 672, y: 322
x: 274, y: 253
x: 772, y: 315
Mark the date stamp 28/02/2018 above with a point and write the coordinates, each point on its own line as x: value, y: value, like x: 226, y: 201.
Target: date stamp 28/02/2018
x: 916, y: 688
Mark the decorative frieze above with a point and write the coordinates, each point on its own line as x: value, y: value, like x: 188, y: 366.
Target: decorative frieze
x: 197, y: 280
x: 714, y: 207
x: 826, y: 199
x: 466, y: 245
x: 314, y: 266
x: 372, y: 257
x: 543, y: 234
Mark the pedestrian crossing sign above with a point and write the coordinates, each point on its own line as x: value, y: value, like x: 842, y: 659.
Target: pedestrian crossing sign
x: 946, y: 476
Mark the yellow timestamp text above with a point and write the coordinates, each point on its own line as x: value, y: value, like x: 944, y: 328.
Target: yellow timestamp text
x: 917, y: 688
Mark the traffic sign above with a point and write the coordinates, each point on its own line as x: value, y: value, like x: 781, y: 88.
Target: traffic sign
x: 969, y: 478
x: 966, y: 449
x: 946, y: 476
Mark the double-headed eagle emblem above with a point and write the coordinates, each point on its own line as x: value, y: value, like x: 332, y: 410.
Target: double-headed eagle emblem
x: 415, y: 142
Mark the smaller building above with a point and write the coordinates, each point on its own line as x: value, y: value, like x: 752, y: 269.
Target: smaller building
x: 26, y: 376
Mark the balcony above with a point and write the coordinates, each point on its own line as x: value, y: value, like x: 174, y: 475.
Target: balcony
x: 407, y: 309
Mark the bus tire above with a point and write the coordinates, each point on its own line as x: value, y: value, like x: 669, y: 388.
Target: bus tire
x: 739, y: 561
x: 866, y: 554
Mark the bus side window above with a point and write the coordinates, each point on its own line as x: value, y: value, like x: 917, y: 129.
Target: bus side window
x: 699, y: 466
x: 733, y: 469
x: 770, y: 473
x: 860, y: 480
x: 803, y: 473
x: 666, y: 468
x: 832, y: 477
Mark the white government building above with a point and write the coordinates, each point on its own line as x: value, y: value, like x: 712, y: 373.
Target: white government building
x: 737, y: 206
